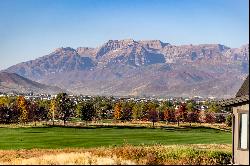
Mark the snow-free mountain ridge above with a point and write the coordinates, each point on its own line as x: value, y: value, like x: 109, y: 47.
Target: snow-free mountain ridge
x: 145, y: 67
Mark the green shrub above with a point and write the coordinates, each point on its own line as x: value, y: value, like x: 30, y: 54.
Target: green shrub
x: 219, y: 157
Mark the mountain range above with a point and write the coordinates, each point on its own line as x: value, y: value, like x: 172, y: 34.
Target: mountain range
x: 139, y: 68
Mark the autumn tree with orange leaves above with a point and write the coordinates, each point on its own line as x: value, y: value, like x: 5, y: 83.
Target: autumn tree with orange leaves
x: 118, y: 111
x: 23, y: 108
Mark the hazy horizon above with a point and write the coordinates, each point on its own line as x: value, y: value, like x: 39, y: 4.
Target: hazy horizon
x: 33, y: 28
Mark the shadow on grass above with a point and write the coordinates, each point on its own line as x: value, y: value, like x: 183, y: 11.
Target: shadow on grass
x: 99, y: 126
x: 113, y: 126
x: 167, y: 128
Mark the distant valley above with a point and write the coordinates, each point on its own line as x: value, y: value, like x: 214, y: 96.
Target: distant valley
x: 140, y: 68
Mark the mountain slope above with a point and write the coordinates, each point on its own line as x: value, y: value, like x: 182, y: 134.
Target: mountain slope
x: 11, y: 82
x: 128, y: 67
x: 60, y: 60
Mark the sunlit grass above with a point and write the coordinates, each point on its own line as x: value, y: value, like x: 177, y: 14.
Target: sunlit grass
x: 96, y: 136
x: 127, y: 154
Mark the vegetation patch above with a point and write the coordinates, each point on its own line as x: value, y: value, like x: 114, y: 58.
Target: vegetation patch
x: 196, y: 154
x: 94, y: 136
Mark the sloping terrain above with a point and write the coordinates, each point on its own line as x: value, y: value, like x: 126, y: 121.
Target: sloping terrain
x: 11, y: 82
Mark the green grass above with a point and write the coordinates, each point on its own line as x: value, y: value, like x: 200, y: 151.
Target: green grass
x: 63, y: 137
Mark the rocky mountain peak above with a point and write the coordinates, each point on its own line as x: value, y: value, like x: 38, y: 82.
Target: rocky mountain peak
x: 128, y: 41
x: 79, y: 49
x: 153, y: 44
x: 86, y: 51
x: 114, y: 44
x: 223, y: 47
x: 245, y: 47
x: 65, y: 51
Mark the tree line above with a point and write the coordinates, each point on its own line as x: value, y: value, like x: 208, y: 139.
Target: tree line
x: 20, y: 110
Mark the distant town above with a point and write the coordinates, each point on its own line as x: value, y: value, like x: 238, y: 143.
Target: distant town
x: 200, y: 102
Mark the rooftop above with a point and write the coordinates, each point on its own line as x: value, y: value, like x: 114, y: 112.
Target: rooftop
x: 242, y: 96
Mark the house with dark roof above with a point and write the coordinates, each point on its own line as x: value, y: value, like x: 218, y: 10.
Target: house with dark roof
x: 240, y: 124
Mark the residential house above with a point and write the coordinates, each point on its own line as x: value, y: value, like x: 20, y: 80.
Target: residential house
x: 240, y: 124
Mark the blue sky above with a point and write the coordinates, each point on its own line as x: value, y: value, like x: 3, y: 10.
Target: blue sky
x: 33, y: 28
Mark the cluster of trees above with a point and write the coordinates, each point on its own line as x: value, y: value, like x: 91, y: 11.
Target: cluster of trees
x: 166, y: 111
x: 20, y: 110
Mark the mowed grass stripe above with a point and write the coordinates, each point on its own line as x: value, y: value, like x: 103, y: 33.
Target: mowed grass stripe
x: 62, y: 137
